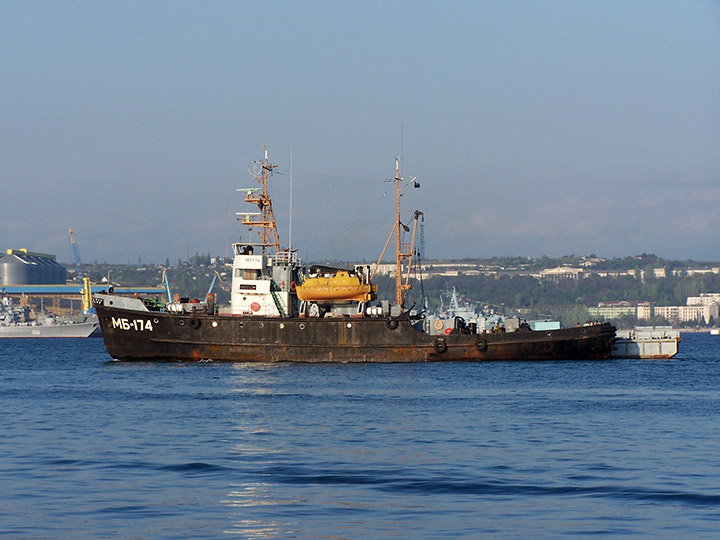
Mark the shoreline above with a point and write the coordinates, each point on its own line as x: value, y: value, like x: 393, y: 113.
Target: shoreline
x: 681, y: 330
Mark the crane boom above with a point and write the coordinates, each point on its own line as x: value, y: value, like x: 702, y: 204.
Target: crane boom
x: 76, y: 256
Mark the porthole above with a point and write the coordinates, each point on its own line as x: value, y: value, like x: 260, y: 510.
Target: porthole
x: 302, y: 326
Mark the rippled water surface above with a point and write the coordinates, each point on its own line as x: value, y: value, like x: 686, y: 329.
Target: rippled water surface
x: 92, y: 448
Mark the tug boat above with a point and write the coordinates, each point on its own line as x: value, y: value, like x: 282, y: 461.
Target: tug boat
x: 282, y: 311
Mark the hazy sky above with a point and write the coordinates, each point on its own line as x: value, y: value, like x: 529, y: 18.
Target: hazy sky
x: 534, y: 127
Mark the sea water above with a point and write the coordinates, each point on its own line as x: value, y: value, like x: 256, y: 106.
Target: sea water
x: 93, y: 448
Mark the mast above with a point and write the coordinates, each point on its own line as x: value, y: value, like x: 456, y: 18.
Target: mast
x: 291, y: 201
x: 402, y: 251
x: 400, y: 254
x: 266, y: 223
x: 398, y: 259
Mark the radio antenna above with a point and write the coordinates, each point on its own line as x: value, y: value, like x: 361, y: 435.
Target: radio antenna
x: 291, y: 201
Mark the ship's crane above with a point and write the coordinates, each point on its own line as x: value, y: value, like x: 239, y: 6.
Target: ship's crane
x: 76, y: 256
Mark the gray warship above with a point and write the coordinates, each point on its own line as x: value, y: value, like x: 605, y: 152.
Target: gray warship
x: 16, y: 322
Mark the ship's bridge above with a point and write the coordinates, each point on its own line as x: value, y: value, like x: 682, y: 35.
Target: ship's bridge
x: 263, y: 285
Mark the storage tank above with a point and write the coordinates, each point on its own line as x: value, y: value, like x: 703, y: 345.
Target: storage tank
x: 45, y: 273
x: 22, y: 267
x: 39, y: 270
x: 15, y: 270
x: 59, y: 274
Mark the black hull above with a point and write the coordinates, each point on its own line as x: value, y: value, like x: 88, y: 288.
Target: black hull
x: 150, y: 335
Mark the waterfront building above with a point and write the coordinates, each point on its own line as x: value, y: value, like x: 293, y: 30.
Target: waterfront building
x: 705, y: 299
x: 613, y: 310
x: 686, y: 313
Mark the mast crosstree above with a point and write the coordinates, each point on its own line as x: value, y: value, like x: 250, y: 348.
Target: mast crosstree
x: 265, y: 219
x: 402, y: 250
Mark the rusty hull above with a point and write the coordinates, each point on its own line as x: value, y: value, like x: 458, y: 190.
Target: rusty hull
x: 149, y: 335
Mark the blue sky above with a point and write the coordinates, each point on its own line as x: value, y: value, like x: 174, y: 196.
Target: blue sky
x: 534, y: 128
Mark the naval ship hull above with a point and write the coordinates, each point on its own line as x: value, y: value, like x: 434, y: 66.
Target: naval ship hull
x: 71, y: 330
x: 154, y: 335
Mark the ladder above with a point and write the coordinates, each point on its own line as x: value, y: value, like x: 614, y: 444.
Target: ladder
x: 273, y: 288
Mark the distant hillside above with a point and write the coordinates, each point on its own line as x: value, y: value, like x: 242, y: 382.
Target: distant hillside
x: 507, y: 284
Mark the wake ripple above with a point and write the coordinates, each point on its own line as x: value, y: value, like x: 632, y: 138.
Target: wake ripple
x: 291, y: 475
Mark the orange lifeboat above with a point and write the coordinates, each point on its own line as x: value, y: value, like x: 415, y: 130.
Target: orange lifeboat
x: 340, y: 287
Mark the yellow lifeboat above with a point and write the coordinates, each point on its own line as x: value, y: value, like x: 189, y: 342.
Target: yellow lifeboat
x: 340, y: 287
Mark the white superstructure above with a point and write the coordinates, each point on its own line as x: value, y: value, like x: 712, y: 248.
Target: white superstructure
x: 263, y: 285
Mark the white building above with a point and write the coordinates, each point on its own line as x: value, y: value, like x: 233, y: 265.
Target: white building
x: 560, y: 273
x: 613, y: 310
x: 684, y: 313
x: 705, y: 299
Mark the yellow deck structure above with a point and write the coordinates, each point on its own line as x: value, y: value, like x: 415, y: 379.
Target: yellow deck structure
x: 340, y: 287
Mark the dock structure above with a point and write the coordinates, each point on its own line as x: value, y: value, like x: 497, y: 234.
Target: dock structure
x: 68, y: 298
x: 37, y: 279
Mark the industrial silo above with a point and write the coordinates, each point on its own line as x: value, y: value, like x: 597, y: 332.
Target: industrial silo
x: 16, y: 270
x: 21, y: 267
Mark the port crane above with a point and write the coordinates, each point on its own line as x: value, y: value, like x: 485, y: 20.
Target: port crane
x: 76, y: 256
x: 86, y: 291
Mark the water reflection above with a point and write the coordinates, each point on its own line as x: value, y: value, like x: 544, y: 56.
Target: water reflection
x: 253, y: 504
x: 309, y: 455
x: 251, y: 496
